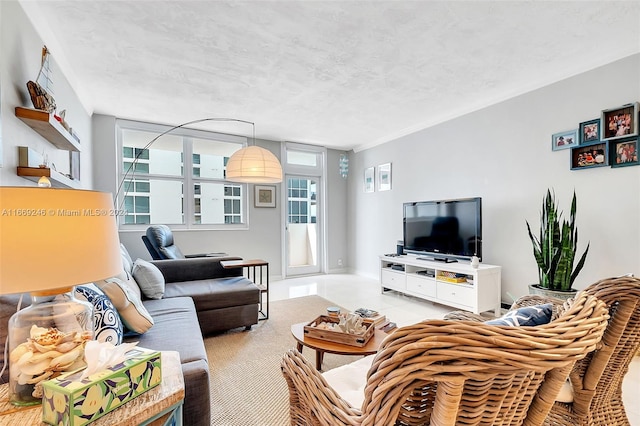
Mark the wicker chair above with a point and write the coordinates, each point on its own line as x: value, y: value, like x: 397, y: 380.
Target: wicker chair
x: 597, y: 379
x: 455, y: 372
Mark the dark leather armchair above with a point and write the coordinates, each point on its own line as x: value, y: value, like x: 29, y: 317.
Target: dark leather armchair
x: 159, y: 242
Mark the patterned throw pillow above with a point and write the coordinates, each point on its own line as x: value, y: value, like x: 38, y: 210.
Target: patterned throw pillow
x: 527, y: 316
x: 107, y: 325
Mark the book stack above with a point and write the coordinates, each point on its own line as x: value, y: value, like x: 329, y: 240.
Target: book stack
x: 377, y: 317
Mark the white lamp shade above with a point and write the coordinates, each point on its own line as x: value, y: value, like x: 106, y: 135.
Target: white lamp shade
x: 55, y: 238
x: 254, y: 165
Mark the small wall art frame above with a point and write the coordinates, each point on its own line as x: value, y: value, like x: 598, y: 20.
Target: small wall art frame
x: 264, y: 195
x: 369, y: 179
x: 624, y: 152
x: 589, y: 131
x: 564, y: 140
x: 384, y: 177
x: 590, y: 156
x: 619, y: 122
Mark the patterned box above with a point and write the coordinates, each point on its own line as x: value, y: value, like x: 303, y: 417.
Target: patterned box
x: 70, y: 401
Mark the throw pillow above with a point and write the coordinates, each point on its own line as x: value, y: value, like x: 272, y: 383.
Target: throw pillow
x: 125, y: 295
x: 526, y: 316
x: 149, y: 278
x: 127, y: 262
x: 107, y: 325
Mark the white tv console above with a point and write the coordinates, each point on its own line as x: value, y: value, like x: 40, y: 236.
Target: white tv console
x: 428, y: 279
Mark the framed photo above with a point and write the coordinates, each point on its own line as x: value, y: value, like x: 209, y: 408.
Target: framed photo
x: 589, y: 131
x: 74, y: 165
x: 265, y: 195
x: 384, y: 177
x: 624, y: 152
x: 590, y: 156
x: 620, y: 122
x: 564, y: 140
x: 369, y: 180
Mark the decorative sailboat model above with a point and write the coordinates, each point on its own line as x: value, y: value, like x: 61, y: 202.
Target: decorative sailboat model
x: 41, y: 90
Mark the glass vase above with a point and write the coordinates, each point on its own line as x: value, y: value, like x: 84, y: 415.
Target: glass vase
x: 45, y: 340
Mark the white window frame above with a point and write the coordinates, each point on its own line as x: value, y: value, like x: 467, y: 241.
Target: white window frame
x: 188, y: 180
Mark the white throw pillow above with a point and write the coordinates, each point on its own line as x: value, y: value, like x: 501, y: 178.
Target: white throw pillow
x: 149, y: 279
x: 350, y: 380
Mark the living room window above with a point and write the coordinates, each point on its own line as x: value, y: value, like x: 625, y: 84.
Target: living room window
x: 180, y: 179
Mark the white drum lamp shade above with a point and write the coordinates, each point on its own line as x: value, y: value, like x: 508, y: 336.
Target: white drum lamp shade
x: 254, y: 165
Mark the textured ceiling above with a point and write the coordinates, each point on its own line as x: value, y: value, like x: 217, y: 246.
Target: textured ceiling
x: 343, y: 74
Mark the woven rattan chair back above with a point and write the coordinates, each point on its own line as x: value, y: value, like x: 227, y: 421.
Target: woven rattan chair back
x: 456, y: 373
x: 597, y: 379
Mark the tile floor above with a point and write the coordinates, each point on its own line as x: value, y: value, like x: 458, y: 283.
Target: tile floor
x: 353, y: 291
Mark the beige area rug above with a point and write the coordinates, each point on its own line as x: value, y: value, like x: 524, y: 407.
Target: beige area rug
x: 247, y: 387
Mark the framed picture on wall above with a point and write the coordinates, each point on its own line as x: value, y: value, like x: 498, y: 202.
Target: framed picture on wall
x: 74, y: 165
x: 589, y: 131
x: 265, y: 195
x: 620, y: 122
x: 590, y: 156
x: 369, y: 179
x: 384, y: 177
x: 564, y: 140
x: 624, y: 152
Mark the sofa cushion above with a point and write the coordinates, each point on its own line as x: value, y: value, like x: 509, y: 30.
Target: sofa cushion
x: 349, y: 380
x: 175, y: 328
x: 526, y: 316
x: 215, y: 293
x: 149, y: 279
x: 107, y: 325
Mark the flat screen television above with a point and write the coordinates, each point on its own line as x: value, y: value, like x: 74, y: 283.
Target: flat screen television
x: 445, y: 230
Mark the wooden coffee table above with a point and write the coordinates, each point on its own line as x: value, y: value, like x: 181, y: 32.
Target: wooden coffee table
x: 322, y: 346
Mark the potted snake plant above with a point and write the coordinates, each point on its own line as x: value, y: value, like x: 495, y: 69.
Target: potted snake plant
x: 555, y: 250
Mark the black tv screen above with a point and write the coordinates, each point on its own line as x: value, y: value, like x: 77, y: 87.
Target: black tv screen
x: 444, y: 229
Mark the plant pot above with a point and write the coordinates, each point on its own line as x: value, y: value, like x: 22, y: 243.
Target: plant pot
x: 558, y: 294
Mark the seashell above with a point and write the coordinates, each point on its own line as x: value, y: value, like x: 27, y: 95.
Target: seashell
x: 23, y: 379
x: 37, y: 379
x: 66, y: 358
x: 66, y: 346
x: 34, y: 369
x: 51, y: 337
x: 37, y: 331
x: 47, y: 355
x: 43, y: 348
x: 24, y: 358
x: 18, y: 351
x: 38, y: 391
x: 69, y: 337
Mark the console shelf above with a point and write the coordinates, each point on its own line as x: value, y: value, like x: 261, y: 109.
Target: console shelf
x: 452, y: 284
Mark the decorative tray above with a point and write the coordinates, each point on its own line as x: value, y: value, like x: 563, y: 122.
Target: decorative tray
x: 311, y: 330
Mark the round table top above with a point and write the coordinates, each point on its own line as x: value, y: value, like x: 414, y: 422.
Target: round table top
x: 337, y: 348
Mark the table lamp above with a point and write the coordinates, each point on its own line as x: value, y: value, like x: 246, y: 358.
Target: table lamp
x: 50, y: 241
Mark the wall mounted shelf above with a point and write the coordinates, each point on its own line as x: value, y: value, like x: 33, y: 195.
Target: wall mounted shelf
x: 48, y: 127
x: 58, y: 180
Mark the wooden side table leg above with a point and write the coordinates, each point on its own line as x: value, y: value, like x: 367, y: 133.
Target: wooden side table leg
x: 319, y: 357
x: 299, y: 347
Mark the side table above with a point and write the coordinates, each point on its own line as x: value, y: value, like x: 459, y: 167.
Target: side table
x: 159, y: 406
x: 253, y: 265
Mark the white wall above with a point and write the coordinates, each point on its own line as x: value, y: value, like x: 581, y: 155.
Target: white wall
x: 503, y: 154
x: 20, y: 52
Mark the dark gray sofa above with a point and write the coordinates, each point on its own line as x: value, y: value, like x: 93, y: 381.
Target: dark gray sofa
x: 200, y: 298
